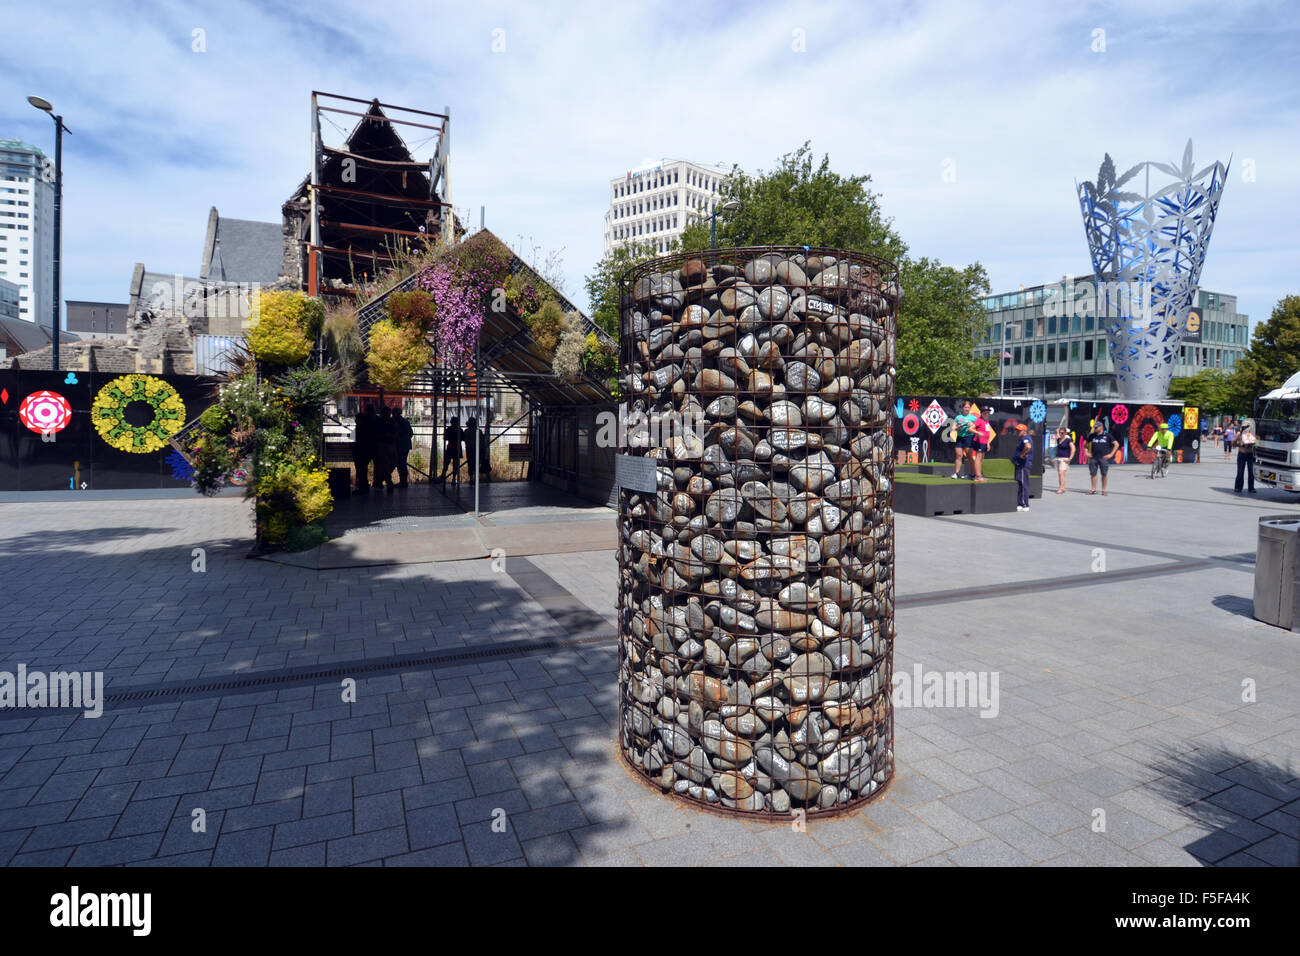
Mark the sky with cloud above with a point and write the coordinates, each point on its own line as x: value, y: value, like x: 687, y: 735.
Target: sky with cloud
x: 1016, y: 100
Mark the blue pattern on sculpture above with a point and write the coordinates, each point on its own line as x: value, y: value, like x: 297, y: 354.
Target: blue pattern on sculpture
x: 1152, y: 243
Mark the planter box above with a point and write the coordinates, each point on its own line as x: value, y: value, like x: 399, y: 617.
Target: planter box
x: 340, y: 482
x: 992, y: 497
x: 953, y: 498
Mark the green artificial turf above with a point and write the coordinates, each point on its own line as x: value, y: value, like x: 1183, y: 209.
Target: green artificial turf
x: 915, y: 478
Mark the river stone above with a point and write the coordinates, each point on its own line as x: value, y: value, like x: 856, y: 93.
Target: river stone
x: 800, y: 377
x: 733, y: 785
x: 813, y: 472
x: 773, y: 303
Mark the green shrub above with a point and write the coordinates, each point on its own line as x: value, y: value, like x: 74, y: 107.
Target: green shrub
x: 216, y: 420
x: 304, y: 536
x: 396, y: 355
x: 414, y: 310
x: 284, y: 326
x: 545, y: 324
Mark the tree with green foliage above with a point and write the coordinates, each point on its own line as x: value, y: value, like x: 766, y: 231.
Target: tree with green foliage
x: 1208, y: 390
x: 941, y: 317
x: 602, y: 285
x: 1273, y: 356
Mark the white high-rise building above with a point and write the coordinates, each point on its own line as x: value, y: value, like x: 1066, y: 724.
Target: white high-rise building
x: 27, y: 228
x: 657, y: 201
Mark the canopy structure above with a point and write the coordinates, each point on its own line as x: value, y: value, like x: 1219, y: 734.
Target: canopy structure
x: 561, y: 414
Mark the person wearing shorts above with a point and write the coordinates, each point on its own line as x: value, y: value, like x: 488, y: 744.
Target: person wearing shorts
x: 965, y: 443
x: 1102, y: 449
x: 1064, y: 452
x: 983, y: 433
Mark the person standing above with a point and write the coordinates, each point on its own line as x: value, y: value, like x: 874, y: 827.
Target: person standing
x: 1217, y: 434
x: 451, y: 445
x: 1229, y: 440
x: 1064, y: 452
x: 363, y: 447
x: 1102, y: 449
x: 1245, y: 458
x: 385, y: 449
x: 965, y: 443
x: 1022, y: 459
x: 474, y: 451
x: 983, y: 433
x: 403, y: 433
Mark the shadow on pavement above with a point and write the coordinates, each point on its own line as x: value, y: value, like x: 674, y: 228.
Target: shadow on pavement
x: 1227, y: 795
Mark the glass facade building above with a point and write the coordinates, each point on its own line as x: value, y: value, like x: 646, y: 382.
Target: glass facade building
x: 1060, y: 352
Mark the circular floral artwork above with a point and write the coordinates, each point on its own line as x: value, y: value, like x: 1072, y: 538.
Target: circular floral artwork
x: 911, y: 423
x: 1119, y: 414
x: 239, y: 477
x: 137, y: 413
x: 1176, y: 424
x: 45, y: 412
x: 1037, y: 411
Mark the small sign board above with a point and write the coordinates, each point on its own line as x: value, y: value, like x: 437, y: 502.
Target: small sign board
x: 521, y: 451
x: 636, y: 473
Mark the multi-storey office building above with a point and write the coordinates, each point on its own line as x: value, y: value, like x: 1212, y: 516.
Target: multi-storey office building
x: 9, y: 292
x: 656, y: 202
x: 27, y: 227
x: 1059, y: 351
x: 96, y: 320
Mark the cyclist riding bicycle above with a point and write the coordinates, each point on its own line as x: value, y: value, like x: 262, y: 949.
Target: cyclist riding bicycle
x: 1163, y: 440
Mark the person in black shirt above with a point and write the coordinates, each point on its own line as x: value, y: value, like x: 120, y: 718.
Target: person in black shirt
x: 1102, y: 449
x: 385, y: 448
x: 404, y: 433
x: 452, y: 441
x: 363, y: 447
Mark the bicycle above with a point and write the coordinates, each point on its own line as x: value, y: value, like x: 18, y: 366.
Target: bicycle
x: 1160, y: 466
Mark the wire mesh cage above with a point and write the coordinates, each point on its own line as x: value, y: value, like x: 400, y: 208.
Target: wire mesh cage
x: 756, y: 588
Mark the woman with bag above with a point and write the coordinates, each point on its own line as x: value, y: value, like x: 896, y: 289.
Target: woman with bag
x: 1064, y: 452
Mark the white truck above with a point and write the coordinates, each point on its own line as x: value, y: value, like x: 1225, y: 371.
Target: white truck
x: 1277, y: 432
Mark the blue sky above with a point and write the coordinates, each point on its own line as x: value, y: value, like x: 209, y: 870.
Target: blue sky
x: 1013, y: 96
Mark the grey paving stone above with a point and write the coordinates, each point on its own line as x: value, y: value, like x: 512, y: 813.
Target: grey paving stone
x: 548, y: 821
x: 378, y: 811
x: 317, y: 829
x: 312, y: 855
x: 434, y: 826
x: 987, y: 852
x: 146, y: 816
x: 366, y: 847
x: 910, y: 843
x: 431, y: 794
x: 243, y: 848
x: 329, y: 796
x: 263, y: 814
x: 450, y: 854
x: 979, y: 804
x: 117, y: 851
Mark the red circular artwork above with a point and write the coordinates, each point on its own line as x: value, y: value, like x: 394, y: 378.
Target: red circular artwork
x: 1145, y: 421
x: 911, y: 423
x: 45, y: 412
x: 1119, y: 414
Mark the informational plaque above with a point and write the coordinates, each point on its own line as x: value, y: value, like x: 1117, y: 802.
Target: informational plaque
x: 635, y: 473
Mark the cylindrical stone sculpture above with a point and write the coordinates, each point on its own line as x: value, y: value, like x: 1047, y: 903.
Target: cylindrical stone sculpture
x: 756, y: 586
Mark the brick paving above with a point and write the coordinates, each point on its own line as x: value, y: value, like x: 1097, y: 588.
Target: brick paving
x: 1122, y: 697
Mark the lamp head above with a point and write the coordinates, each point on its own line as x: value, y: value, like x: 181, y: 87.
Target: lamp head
x: 41, y: 104
x: 729, y: 206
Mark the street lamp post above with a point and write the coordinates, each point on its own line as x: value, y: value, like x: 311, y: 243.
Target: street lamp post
x: 59, y: 129
x: 1002, y: 362
x: 728, y: 206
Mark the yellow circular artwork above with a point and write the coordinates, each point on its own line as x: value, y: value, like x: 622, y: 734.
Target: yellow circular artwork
x: 108, y: 413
